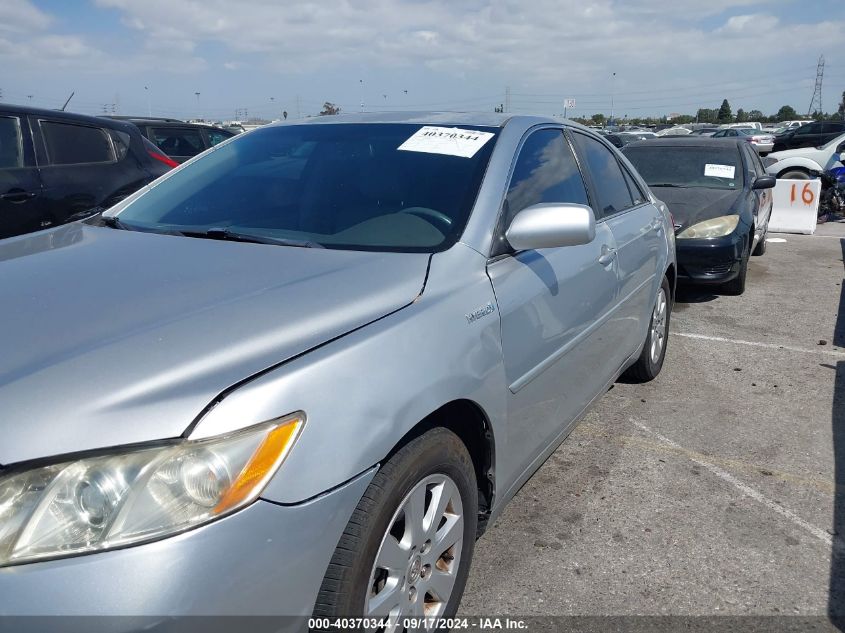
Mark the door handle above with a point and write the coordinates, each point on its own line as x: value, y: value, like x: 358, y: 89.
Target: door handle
x: 657, y: 225
x: 17, y: 196
x: 607, y: 255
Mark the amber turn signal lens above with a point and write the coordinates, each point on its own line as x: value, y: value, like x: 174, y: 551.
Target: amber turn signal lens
x: 261, y: 466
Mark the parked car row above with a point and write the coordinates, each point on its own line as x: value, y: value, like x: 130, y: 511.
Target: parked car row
x: 326, y: 355
x: 57, y: 166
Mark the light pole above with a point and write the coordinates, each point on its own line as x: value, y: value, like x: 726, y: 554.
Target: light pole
x: 612, y: 87
x: 361, y: 81
x: 149, y: 106
x: 199, y: 111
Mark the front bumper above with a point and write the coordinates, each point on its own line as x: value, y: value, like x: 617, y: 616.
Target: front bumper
x: 713, y: 260
x: 266, y: 560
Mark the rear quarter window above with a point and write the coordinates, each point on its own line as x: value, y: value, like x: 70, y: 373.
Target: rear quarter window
x: 70, y: 143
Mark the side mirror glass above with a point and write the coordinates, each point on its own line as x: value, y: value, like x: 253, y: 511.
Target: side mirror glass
x: 764, y: 182
x: 550, y: 225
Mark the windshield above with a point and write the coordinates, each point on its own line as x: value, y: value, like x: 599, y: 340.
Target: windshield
x: 345, y: 186
x: 706, y: 167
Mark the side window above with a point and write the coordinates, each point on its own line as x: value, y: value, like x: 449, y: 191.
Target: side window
x: 545, y: 171
x: 216, y: 136
x: 11, y: 149
x: 121, y: 141
x: 611, y: 189
x: 813, y: 128
x: 71, y: 144
x: 756, y: 165
x: 178, y: 141
x: 636, y: 193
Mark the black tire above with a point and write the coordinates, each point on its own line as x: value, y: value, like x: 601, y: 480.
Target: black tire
x: 760, y: 249
x: 347, y: 580
x: 794, y: 173
x: 647, y: 368
x: 736, y: 286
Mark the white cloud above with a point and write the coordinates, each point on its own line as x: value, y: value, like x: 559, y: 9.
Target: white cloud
x: 22, y: 16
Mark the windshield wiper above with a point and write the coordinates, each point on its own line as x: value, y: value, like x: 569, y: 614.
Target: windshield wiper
x: 111, y: 221
x: 669, y: 184
x: 234, y: 236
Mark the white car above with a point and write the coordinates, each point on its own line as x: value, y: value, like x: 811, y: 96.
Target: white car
x: 798, y: 163
x: 761, y: 141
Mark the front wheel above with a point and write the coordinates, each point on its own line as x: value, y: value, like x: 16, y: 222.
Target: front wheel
x: 650, y: 362
x: 736, y: 286
x: 407, y: 548
x: 794, y: 174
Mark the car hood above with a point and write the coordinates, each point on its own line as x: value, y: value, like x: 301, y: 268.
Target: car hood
x: 801, y: 152
x: 696, y: 204
x: 112, y: 337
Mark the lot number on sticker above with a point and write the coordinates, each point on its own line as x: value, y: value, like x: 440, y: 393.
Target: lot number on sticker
x: 719, y: 171
x: 451, y: 141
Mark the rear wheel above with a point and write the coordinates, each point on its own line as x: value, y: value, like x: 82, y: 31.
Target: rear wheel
x: 406, y: 551
x: 650, y: 362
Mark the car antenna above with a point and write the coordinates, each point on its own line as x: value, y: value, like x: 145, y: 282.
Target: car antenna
x: 68, y: 100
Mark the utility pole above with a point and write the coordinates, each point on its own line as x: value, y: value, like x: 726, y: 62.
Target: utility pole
x: 149, y: 107
x: 199, y: 111
x: 507, y: 98
x: 612, y: 88
x: 298, y: 107
x: 817, y: 91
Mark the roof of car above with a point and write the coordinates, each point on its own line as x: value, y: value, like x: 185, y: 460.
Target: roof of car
x: 487, y: 119
x: 689, y: 140
x: 69, y: 116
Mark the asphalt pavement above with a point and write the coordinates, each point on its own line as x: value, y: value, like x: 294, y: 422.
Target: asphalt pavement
x: 710, y: 491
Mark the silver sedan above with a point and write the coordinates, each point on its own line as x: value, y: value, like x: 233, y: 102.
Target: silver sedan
x: 300, y: 374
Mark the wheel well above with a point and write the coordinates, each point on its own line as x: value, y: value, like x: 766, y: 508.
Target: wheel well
x: 466, y: 420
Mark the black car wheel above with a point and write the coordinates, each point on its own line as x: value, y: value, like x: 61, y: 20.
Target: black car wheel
x: 407, y: 548
x: 760, y: 249
x: 736, y: 286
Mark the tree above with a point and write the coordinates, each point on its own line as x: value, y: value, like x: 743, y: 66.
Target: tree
x: 598, y: 119
x: 786, y: 113
x: 725, y: 114
x: 330, y: 108
x: 841, y: 109
x: 741, y: 116
x: 706, y: 115
x: 755, y: 115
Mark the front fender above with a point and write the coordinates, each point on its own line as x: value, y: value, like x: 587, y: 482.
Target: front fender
x: 363, y: 392
x: 793, y: 162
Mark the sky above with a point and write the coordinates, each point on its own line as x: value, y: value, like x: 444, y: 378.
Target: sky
x: 262, y: 57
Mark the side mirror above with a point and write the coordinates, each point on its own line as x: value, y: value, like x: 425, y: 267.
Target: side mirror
x: 764, y: 182
x: 842, y: 157
x: 550, y: 225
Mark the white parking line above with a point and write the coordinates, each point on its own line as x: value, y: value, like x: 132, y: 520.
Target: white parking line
x: 748, y: 491
x: 803, y: 350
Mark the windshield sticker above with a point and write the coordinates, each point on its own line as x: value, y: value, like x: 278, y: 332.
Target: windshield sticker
x: 719, y: 171
x: 451, y: 141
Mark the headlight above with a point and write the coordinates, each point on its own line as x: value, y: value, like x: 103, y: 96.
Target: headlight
x: 137, y: 495
x: 717, y: 227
